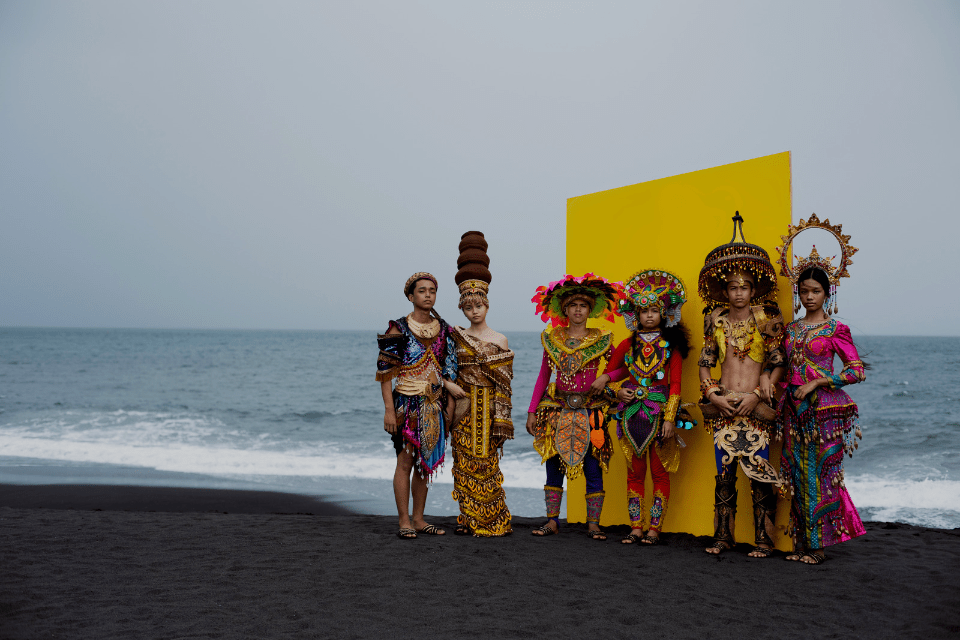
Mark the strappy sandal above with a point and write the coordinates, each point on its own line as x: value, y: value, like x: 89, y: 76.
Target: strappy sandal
x: 545, y: 530
x: 461, y: 530
x: 650, y: 540
x: 596, y: 535
x: 816, y: 556
x: 406, y: 533
x: 631, y: 538
x: 720, y: 546
x: 761, y: 552
x: 431, y: 530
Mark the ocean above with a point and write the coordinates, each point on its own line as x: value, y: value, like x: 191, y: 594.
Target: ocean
x: 300, y: 411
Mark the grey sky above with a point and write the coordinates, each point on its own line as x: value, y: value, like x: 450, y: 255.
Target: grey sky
x: 288, y: 165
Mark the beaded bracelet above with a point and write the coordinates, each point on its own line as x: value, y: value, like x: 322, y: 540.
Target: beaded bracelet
x: 709, y: 385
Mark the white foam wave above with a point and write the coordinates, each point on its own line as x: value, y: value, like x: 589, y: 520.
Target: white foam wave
x: 187, y: 458
x: 133, y: 427
x: 882, y: 493
x: 522, y: 471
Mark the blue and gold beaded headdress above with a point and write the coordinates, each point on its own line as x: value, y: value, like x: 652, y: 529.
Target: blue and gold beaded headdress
x: 653, y: 288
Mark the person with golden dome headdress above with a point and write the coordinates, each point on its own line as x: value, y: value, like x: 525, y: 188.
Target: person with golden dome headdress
x: 418, y: 354
x: 566, y: 418
x: 651, y: 362
x: 481, y: 421
x: 820, y: 421
x: 742, y: 333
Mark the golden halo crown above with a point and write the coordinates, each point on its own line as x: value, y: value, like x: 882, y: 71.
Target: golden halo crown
x: 815, y: 259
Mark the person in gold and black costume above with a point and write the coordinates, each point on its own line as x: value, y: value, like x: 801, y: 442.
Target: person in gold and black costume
x: 481, y: 402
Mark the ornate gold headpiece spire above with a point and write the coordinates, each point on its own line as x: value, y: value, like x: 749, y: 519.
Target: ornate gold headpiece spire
x: 815, y: 260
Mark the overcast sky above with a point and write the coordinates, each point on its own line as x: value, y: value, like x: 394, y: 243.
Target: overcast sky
x: 289, y: 164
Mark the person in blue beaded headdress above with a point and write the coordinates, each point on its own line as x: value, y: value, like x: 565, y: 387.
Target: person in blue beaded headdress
x: 418, y: 352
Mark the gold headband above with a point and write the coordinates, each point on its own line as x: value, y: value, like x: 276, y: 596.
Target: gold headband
x: 412, y: 280
x: 474, y: 291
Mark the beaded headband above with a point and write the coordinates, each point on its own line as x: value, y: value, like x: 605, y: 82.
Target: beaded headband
x: 412, y: 280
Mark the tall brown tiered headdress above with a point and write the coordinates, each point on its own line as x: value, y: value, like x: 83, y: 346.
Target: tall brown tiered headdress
x: 473, y: 276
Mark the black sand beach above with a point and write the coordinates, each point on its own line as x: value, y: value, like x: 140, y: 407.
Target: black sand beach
x: 133, y: 562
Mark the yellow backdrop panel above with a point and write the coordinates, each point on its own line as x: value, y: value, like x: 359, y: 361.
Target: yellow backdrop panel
x: 672, y: 224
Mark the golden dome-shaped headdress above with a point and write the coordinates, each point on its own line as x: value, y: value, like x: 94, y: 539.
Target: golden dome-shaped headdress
x: 728, y: 260
x: 815, y: 260
x: 473, y: 275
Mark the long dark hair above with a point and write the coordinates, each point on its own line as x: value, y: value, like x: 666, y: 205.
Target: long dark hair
x: 677, y: 336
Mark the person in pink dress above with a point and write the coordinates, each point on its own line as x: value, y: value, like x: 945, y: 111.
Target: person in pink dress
x: 820, y: 421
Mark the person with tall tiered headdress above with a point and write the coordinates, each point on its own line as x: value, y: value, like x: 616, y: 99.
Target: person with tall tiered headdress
x: 482, y: 421
x: 820, y: 421
x: 742, y: 332
x: 651, y: 362
x: 566, y: 418
x: 418, y: 352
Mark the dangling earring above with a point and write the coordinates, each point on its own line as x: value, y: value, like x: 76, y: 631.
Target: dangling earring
x: 834, y: 296
x: 796, y: 300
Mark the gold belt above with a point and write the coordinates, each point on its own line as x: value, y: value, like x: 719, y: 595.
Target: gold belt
x: 419, y: 388
x: 573, y: 399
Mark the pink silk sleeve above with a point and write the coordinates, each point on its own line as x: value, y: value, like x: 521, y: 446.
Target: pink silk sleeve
x: 853, y: 371
x: 616, y: 368
x: 541, y: 386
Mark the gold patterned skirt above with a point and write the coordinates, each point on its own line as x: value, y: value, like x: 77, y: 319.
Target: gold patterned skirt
x: 477, y: 480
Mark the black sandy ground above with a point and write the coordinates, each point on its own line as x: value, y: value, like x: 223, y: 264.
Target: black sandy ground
x: 132, y: 562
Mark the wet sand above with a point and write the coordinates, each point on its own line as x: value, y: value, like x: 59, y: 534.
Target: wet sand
x: 143, y: 562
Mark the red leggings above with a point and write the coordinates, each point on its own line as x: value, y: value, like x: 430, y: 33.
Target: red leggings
x: 636, y: 475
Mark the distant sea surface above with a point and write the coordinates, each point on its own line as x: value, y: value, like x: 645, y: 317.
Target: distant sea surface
x: 300, y: 411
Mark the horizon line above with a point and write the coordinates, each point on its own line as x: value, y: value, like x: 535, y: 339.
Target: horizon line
x: 75, y: 328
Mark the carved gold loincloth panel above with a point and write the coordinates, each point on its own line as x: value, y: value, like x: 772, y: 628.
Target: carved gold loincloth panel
x: 739, y: 439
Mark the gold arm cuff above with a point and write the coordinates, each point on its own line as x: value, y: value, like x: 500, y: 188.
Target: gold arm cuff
x: 388, y: 374
x: 671, y: 408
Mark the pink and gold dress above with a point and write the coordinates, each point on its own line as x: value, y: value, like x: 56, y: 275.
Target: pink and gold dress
x: 818, y: 430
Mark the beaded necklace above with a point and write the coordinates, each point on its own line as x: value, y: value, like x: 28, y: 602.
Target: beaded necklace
x: 798, y: 346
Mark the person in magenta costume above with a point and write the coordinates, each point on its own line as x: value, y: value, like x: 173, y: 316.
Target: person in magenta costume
x: 566, y: 418
x: 820, y: 421
x: 418, y: 353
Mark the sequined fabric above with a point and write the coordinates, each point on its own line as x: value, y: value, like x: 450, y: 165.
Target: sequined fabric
x: 817, y: 432
x: 418, y: 368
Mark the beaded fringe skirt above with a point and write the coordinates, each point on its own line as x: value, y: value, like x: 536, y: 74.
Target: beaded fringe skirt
x: 478, y: 484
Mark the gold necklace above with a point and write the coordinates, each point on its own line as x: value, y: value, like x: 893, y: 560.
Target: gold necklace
x: 740, y: 336
x: 570, y: 341
x: 424, y: 331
